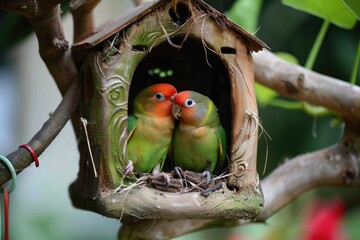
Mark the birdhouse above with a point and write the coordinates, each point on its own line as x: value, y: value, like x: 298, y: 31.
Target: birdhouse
x: 193, y: 47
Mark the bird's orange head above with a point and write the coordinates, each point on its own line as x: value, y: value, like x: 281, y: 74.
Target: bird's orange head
x: 155, y: 100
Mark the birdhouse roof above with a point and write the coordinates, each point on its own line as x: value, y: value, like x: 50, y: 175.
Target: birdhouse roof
x: 116, y: 24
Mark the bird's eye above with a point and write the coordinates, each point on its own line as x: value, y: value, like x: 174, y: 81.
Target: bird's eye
x: 189, y: 103
x: 159, y: 96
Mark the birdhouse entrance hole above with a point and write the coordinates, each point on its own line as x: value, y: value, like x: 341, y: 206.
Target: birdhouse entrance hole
x: 182, y: 13
x: 192, y: 67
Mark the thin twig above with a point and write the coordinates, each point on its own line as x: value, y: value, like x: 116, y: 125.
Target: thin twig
x: 85, y: 122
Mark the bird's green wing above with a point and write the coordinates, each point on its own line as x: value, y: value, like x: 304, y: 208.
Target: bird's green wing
x: 158, y: 168
x: 131, y: 125
x: 221, y: 136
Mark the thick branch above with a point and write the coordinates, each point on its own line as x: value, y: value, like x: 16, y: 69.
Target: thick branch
x: 21, y: 158
x: 338, y: 165
x: 53, y: 48
x: 44, y: 15
x: 82, y: 12
x: 299, y: 83
x: 27, y: 8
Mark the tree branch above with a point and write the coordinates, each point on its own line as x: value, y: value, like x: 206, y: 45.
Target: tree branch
x: 44, y: 15
x: 82, y: 12
x: 338, y: 165
x: 21, y: 158
x: 53, y: 48
x: 299, y: 83
x: 27, y: 8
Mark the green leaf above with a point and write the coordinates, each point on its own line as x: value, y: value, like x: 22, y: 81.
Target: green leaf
x: 287, y: 57
x: 264, y: 94
x: 354, y: 7
x: 332, y: 10
x: 356, y: 65
x: 315, y: 111
x: 315, y: 49
x: 245, y: 13
x: 286, y: 104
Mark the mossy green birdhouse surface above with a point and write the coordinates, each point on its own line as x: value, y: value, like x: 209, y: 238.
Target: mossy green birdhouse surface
x: 192, y: 47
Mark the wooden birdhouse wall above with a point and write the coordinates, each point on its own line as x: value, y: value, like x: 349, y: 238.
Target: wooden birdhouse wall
x: 116, y: 70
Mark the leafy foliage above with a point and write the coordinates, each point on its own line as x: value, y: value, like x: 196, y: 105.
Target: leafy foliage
x: 246, y: 14
x: 334, y: 11
x: 354, y: 7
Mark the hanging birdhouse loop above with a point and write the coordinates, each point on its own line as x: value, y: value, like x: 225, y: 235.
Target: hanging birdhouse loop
x: 8, y: 164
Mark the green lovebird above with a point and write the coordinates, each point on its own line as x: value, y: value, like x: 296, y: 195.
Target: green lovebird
x: 150, y: 129
x: 199, y: 141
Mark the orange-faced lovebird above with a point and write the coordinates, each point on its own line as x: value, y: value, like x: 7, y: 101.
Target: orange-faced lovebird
x: 199, y: 141
x: 150, y: 129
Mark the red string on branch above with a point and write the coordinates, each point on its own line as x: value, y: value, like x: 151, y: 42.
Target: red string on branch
x: 33, y: 154
x: 6, y: 213
x: 6, y: 191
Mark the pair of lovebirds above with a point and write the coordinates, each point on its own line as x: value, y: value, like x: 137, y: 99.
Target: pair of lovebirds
x: 197, y: 142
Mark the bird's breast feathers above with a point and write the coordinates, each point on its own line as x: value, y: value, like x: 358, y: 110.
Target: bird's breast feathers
x: 195, y: 132
x: 155, y: 126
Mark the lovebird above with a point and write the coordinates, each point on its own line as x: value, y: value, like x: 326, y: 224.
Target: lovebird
x: 150, y: 129
x: 199, y: 140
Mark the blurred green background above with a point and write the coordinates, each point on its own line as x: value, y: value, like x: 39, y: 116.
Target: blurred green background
x: 41, y: 208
